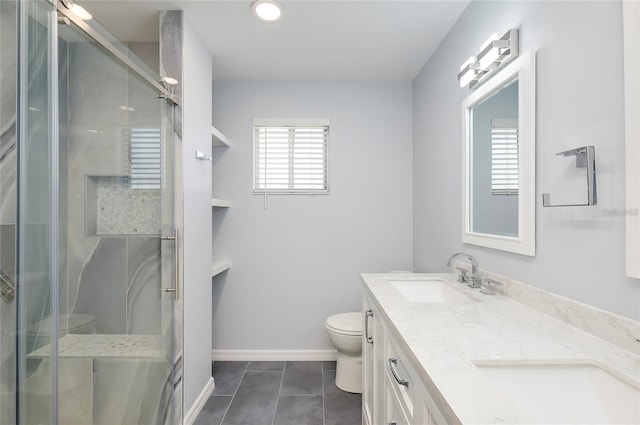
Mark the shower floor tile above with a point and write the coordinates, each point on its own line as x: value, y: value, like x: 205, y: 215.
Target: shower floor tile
x: 256, y: 393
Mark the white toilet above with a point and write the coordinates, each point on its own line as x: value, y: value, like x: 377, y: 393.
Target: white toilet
x: 345, y: 333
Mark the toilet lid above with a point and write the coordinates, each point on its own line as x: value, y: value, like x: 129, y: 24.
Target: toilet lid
x: 346, y: 323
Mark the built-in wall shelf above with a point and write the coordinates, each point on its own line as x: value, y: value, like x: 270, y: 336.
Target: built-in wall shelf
x: 219, y: 139
x: 218, y: 266
x: 220, y: 203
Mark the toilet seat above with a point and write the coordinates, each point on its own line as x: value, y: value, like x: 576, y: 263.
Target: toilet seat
x: 345, y: 324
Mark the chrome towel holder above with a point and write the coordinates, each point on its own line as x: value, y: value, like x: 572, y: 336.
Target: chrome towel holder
x: 585, y: 158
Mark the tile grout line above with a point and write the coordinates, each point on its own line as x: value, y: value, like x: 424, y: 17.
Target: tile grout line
x: 301, y: 395
x: 324, y: 386
x: 234, y: 394
x: 226, y: 411
x: 324, y: 419
x: 284, y: 368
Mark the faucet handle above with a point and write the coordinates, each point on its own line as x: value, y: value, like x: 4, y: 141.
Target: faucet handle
x: 488, y: 286
x: 462, y: 277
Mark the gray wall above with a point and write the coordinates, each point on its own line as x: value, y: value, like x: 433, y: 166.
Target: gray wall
x: 580, y: 251
x: 197, y: 214
x: 298, y: 261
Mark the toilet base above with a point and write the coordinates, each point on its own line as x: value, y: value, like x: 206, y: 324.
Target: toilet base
x: 349, y: 373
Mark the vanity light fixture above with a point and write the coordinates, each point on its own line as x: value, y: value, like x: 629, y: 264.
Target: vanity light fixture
x: 468, y: 71
x: 267, y: 10
x: 494, y: 53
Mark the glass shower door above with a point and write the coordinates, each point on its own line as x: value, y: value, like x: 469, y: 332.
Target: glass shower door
x: 36, y: 241
x: 8, y: 126
x: 87, y: 246
x: 117, y: 235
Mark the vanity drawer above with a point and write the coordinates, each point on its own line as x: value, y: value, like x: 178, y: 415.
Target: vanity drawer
x: 401, y: 379
x: 430, y: 415
x: 394, y: 414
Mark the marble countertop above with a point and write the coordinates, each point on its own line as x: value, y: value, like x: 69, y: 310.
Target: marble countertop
x: 445, y: 339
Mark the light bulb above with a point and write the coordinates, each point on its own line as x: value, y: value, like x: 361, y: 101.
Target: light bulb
x: 267, y: 10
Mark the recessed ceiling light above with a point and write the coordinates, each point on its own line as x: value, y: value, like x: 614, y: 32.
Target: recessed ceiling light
x: 126, y: 108
x: 81, y: 12
x: 267, y: 10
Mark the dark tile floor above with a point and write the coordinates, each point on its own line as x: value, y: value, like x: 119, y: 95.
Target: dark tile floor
x: 279, y: 393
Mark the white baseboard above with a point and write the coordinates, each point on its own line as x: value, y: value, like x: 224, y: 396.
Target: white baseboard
x: 195, y: 410
x: 273, y: 355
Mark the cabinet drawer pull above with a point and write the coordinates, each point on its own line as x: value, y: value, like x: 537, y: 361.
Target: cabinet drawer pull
x: 392, y: 365
x: 368, y: 314
x: 393, y: 423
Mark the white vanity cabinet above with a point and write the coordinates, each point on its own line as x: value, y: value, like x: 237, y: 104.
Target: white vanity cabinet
x: 429, y: 413
x: 372, y: 359
x: 394, y: 415
x: 393, y: 393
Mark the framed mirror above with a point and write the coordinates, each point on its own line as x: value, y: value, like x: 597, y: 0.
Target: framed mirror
x: 498, y: 158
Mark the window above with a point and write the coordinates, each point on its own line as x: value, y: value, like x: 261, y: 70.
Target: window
x: 291, y: 156
x: 145, y: 157
x: 504, y: 157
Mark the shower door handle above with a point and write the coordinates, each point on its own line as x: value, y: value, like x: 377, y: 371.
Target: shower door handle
x: 176, y: 264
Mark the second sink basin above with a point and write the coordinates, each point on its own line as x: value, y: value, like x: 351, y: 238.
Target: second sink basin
x: 429, y: 291
x: 567, y: 393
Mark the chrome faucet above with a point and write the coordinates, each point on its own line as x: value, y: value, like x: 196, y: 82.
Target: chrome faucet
x: 462, y: 277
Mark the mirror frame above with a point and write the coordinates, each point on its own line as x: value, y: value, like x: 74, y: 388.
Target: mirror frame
x: 631, y: 25
x: 524, y: 68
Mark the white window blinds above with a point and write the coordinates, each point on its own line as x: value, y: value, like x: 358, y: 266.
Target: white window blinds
x: 145, y: 157
x: 290, y: 158
x: 504, y: 157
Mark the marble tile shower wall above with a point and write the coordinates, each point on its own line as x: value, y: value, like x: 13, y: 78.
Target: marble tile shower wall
x: 119, y: 285
x: 115, y: 277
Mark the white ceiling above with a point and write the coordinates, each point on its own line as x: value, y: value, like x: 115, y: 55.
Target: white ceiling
x: 314, y: 40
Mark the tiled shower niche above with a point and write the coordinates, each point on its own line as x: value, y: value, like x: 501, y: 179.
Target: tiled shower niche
x: 114, y: 208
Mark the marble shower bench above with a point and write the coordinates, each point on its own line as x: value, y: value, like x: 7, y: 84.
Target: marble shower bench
x: 98, y: 374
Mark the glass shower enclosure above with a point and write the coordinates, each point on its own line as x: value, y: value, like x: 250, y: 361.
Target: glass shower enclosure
x: 88, y: 255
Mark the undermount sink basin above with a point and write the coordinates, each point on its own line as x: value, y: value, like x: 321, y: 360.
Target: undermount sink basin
x: 429, y: 291
x: 566, y: 393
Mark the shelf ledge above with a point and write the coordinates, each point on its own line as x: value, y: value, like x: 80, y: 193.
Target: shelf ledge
x: 219, y: 266
x: 220, y: 203
x: 218, y: 139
